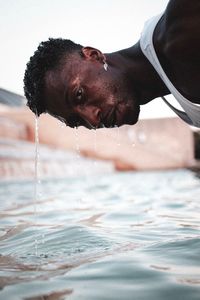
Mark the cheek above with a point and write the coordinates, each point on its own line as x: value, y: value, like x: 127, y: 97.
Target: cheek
x: 101, y: 93
x: 106, y: 90
x: 112, y: 93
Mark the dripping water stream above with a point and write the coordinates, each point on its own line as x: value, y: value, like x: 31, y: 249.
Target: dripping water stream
x: 77, y: 144
x: 36, y: 181
x: 77, y: 158
x: 117, y: 136
x: 95, y: 145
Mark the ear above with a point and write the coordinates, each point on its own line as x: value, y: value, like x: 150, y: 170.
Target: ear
x: 93, y: 54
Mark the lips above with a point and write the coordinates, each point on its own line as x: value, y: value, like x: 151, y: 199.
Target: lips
x: 127, y: 114
x: 120, y: 114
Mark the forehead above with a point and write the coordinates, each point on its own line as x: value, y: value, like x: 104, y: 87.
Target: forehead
x: 57, y: 85
x: 60, y: 83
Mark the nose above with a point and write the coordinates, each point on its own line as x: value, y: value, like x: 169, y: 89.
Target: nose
x: 90, y: 114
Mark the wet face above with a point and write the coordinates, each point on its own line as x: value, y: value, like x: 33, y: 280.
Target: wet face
x: 83, y: 93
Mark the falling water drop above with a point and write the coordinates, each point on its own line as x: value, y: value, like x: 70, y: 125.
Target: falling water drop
x: 62, y: 125
x: 141, y: 137
x: 131, y: 136
x: 43, y: 238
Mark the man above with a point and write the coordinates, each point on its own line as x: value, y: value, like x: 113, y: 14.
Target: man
x: 81, y: 86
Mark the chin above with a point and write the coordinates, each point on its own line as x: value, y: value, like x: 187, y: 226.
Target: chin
x: 129, y: 115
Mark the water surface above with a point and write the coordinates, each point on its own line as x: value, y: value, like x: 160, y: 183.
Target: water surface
x: 117, y: 236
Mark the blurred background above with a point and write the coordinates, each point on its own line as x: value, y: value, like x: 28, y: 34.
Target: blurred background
x: 109, y: 26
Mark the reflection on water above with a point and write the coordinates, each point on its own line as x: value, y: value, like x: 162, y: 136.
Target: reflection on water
x: 117, y: 236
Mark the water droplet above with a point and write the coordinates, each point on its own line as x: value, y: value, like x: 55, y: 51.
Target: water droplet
x: 77, y: 140
x: 62, y: 125
x: 141, y: 137
x: 37, y: 180
x: 131, y: 135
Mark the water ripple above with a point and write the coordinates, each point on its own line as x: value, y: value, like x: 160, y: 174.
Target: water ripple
x: 125, y: 236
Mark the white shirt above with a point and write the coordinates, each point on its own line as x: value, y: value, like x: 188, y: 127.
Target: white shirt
x: 191, y: 113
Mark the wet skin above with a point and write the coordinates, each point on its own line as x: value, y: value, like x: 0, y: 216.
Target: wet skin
x: 83, y: 93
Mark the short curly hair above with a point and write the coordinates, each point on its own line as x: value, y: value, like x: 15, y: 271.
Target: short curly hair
x: 47, y: 57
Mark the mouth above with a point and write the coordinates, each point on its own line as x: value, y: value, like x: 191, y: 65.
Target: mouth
x: 126, y: 114
x: 120, y: 114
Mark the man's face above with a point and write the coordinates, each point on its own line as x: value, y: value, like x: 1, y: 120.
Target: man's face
x: 83, y: 93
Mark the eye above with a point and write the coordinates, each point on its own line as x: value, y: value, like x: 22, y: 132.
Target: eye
x: 79, y: 95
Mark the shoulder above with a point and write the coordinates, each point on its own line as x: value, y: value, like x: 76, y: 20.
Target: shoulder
x: 181, y: 8
x: 179, y: 30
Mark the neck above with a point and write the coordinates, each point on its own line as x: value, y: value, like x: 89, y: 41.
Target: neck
x: 144, y: 80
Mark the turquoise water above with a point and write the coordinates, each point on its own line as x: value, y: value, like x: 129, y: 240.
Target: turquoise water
x: 117, y: 236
